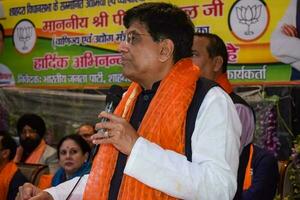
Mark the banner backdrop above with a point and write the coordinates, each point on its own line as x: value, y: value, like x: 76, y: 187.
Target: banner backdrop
x: 73, y: 44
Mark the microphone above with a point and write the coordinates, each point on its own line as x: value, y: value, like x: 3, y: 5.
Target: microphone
x: 113, y: 97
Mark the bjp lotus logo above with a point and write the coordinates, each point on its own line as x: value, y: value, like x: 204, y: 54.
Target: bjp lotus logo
x: 248, y: 19
x: 248, y: 16
x: 24, y: 36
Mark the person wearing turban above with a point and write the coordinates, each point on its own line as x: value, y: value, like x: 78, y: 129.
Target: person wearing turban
x: 33, y: 149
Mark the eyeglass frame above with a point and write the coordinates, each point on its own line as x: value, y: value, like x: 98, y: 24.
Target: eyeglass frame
x: 130, y: 37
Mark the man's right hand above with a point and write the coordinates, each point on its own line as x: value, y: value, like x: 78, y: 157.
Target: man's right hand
x: 289, y: 30
x: 29, y: 191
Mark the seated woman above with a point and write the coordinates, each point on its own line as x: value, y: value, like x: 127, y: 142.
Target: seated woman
x: 72, y: 152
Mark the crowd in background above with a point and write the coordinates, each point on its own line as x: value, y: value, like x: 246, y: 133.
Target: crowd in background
x: 67, y: 159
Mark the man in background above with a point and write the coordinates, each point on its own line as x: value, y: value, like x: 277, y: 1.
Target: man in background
x: 86, y: 130
x: 258, y: 169
x: 33, y: 149
x: 10, y: 176
x: 210, y: 54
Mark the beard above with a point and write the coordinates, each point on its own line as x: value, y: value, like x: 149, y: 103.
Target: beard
x: 30, y: 144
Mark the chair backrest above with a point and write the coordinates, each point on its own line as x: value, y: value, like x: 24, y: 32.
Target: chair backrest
x: 33, y: 172
x: 282, y: 166
x: 287, y: 185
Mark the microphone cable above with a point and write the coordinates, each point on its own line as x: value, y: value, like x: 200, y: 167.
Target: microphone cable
x: 68, y: 197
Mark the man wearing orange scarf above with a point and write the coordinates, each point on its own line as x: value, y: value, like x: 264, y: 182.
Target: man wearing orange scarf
x: 10, y: 177
x: 258, y: 170
x: 210, y: 54
x: 142, y: 151
x: 33, y: 149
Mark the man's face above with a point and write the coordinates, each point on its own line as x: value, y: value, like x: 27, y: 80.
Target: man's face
x: 201, y: 57
x: 140, y: 54
x: 86, y: 132
x: 29, y: 139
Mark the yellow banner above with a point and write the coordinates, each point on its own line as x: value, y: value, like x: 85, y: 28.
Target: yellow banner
x: 71, y: 43
x: 245, y: 25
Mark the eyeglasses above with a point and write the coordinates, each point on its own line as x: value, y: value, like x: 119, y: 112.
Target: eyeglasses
x: 133, y: 37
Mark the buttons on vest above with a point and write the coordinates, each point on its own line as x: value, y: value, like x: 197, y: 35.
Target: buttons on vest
x: 146, y: 97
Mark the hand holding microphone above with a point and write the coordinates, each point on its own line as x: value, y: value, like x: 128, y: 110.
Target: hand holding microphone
x: 113, y: 97
x: 113, y: 129
x: 108, y: 109
x: 120, y: 133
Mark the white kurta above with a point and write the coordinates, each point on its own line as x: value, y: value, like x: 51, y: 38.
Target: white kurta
x: 283, y: 47
x: 211, y: 175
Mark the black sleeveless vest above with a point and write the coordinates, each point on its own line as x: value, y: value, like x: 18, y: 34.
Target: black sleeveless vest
x: 203, y: 86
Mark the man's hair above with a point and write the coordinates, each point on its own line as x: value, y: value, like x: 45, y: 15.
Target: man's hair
x: 34, y: 121
x: 85, y: 124
x: 2, y: 31
x: 9, y: 143
x: 165, y: 21
x: 216, y: 47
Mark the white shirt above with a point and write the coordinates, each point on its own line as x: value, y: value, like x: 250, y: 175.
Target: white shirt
x: 283, y: 47
x: 211, y: 175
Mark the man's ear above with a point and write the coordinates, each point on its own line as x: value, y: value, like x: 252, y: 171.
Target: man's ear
x: 166, y: 50
x: 218, y: 62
